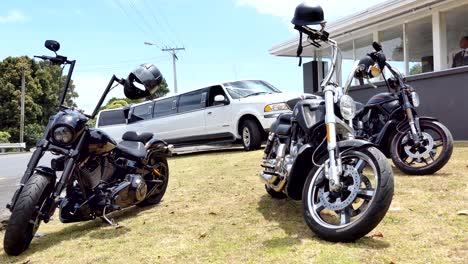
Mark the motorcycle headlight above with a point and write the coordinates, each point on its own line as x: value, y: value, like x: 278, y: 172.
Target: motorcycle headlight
x: 276, y: 107
x: 415, y: 99
x: 347, y: 107
x: 62, y: 135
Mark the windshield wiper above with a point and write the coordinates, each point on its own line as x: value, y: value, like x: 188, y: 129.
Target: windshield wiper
x: 255, y: 94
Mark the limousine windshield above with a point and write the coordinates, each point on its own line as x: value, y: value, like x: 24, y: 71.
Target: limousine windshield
x: 242, y: 89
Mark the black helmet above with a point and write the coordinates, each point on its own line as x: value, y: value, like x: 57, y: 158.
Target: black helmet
x: 308, y: 14
x: 367, y: 69
x: 146, y: 75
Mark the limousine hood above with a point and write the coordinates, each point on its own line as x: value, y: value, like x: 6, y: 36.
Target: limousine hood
x: 272, y: 98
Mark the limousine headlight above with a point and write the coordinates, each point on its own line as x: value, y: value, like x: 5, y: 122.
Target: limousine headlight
x: 276, y: 107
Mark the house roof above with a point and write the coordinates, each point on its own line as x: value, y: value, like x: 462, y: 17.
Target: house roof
x: 388, y: 13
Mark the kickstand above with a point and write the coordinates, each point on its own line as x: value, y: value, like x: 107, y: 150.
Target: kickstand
x: 107, y: 220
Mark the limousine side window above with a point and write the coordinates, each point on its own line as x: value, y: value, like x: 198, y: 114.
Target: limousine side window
x: 112, y: 117
x: 192, y: 101
x: 142, y: 112
x: 165, y: 107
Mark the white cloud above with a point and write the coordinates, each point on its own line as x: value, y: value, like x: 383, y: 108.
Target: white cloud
x: 334, y: 9
x: 13, y: 16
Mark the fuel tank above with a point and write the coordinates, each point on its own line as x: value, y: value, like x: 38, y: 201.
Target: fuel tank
x: 99, y: 142
x: 388, y: 101
x: 381, y: 97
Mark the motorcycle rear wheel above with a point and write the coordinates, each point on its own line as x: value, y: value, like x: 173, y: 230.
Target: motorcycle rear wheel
x: 358, y: 208
x: 25, y: 218
x: 432, y: 161
x: 161, y: 165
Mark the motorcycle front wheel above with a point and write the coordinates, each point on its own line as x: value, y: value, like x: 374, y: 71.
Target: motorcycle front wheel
x: 25, y: 218
x: 430, y: 156
x: 359, y: 206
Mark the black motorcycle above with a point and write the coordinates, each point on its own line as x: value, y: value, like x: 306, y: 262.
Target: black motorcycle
x: 418, y: 145
x: 98, y: 175
x: 346, y: 185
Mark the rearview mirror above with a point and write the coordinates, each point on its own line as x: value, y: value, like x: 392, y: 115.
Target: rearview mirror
x: 52, y: 45
x: 377, y: 46
x: 219, y: 99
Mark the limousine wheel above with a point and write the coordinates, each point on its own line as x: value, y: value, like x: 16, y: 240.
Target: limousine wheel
x: 251, y: 135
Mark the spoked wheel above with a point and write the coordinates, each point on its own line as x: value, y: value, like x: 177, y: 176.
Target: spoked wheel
x: 433, y: 152
x: 360, y: 205
x: 156, y: 182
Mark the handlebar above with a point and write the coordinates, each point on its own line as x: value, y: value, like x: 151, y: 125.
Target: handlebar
x: 58, y: 60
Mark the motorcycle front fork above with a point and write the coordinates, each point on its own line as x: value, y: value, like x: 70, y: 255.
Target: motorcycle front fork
x: 333, y: 167
x: 414, y: 126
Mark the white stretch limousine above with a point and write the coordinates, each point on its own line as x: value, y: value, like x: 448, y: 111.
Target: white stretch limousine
x: 229, y: 112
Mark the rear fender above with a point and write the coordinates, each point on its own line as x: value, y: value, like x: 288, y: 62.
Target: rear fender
x: 158, y: 147
x: 303, y: 164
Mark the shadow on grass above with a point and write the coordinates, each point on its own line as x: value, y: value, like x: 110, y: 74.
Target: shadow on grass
x: 289, y: 216
x: 75, y: 230
x: 398, y: 173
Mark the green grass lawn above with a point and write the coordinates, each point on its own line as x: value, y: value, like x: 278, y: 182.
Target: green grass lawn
x: 216, y: 210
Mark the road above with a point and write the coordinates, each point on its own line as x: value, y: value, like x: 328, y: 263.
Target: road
x: 12, y: 167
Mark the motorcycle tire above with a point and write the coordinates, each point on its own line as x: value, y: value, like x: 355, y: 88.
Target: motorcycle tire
x: 25, y: 220
x: 157, y: 197
x: 439, y: 163
x: 370, y: 217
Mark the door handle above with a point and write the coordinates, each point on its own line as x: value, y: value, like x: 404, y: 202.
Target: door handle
x: 210, y: 113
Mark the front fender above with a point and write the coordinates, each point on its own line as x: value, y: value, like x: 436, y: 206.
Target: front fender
x: 46, y: 171
x: 304, y: 164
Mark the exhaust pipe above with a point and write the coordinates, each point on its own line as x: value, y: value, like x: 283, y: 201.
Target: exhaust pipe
x: 268, y: 178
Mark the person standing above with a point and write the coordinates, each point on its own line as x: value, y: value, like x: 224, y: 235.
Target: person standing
x: 461, y: 58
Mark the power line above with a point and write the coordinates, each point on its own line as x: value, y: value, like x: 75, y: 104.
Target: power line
x: 167, y: 23
x: 130, y: 17
x: 143, y: 19
x: 157, y: 21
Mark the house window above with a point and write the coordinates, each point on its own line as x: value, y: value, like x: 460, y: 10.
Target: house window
x: 457, y: 28
x: 419, y: 43
x: 393, y: 47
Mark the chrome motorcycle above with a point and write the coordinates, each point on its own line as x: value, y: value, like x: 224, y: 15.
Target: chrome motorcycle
x: 345, y: 184
x: 98, y: 175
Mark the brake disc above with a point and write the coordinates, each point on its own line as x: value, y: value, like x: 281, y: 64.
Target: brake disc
x: 337, y: 204
x: 416, y: 154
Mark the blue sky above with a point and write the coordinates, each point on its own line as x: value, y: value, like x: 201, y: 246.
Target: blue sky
x: 225, y: 39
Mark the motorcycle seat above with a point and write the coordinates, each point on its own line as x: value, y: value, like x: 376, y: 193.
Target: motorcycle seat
x: 132, y: 149
x: 137, y: 137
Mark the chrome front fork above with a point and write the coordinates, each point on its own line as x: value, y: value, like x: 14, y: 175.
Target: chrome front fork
x: 333, y: 167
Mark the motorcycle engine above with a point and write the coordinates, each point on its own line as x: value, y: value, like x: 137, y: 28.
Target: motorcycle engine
x: 95, y: 171
x: 130, y: 191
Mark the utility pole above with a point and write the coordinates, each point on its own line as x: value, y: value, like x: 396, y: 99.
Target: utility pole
x: 173, y: 51
x: 23, y: 94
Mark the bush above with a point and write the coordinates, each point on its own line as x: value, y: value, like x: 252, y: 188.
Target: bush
x: 4, y: 137
x: 32, y: 134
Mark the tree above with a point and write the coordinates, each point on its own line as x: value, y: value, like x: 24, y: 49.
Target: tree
x: 4, y: 137
x: 163, y: 90
x: 416, y: 69
x: 44, y: 83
